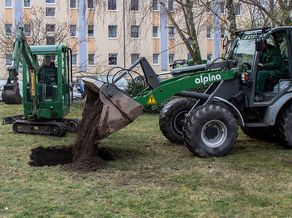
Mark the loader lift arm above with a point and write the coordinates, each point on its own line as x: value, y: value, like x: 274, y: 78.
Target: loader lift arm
x: 188, y: 78
x: 176, y: 85
x: 21, y: 50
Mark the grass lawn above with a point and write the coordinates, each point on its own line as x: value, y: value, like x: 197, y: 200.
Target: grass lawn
x: 150, y: 177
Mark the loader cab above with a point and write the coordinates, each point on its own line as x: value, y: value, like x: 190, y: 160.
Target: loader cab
x: 277, y: 80
x: 248, y: 53
x: 51, y: 84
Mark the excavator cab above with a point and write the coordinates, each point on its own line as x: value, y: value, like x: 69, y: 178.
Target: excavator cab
x: 46, y: 89
x: 49, y: 86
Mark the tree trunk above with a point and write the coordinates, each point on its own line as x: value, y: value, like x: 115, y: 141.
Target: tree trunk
x: 231, y: 17
x: 196, y: 54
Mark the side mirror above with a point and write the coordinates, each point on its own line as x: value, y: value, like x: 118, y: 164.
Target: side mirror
x: 259, y: 44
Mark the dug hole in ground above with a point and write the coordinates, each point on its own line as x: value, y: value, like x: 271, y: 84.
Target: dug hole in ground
x: 84, y: 154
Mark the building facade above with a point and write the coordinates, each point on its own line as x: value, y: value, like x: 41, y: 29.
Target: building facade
x: 108, y: 33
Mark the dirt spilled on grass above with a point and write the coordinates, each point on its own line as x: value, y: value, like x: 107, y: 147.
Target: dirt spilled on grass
x: 84, y: 154
x: 63, y: 155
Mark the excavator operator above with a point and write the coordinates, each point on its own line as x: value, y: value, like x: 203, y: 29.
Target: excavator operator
x: 48, y: 75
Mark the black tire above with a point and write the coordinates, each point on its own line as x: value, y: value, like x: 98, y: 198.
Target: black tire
x: 260, y: 133
x: 72, y: 125
x: 171, y: 119
x: 210, y: 131
x: 284, y: 127
x: 58, y: 130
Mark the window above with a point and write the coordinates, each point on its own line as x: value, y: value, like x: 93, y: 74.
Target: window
x: 237, y: 8
x: 8, y: 60
x: 113, y: 59
x: 155, y: 58
x: 155, y: 32
x: 27, y: 29
x: 283, y: 47
x: 91, y: 59
x: 90, y: 30
x: 171, y: 32
x: 74, y: 59
x: 8, y: 29
x: 50, y: 1
x: 134, y: 57
x: 170, y: 5
x: 73, y: 4
x: 222, y: 7
x: 134, y: 5
x: 51, y: 40
x: 50, y: 12
x: 209, y: 57
x: 8, y: 4
x: 73, y: 30
x: 112, y: 5
x: 170, y: 58
x: 50, y: 28
x: 26, y: 3
x: 208, y: 32
x: 90, y: 4
x: 222, y: 32
x: 134, y: 31
x: 112, y: 31
x: 155, y: 5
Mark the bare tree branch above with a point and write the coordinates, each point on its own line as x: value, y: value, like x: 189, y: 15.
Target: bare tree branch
x: 186, y: 30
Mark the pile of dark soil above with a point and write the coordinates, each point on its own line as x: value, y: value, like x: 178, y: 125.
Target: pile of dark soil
x: 63, y: 155
x: 84, y: 153
x: 51, y: 156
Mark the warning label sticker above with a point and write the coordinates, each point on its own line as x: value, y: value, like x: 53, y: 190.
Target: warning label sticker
x: 151, y: 100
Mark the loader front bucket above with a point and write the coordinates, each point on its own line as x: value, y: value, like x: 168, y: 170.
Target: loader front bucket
x: 11, y: 93
x: 118, y: 108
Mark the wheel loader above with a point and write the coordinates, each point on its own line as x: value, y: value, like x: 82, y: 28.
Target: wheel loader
x: 207, y: 121
x: 46, y: 89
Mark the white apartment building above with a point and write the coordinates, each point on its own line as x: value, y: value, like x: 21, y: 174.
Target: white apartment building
x: 107, y: 33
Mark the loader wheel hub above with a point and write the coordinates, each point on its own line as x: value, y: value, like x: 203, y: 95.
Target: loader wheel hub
x: 178, y: 121
x: 214, y: 133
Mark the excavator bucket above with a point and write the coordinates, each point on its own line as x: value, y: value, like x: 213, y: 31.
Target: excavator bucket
x: 118, y: 108
x: 11, y: 93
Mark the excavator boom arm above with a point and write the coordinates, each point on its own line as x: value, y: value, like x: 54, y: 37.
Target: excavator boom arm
x: 21, y: 50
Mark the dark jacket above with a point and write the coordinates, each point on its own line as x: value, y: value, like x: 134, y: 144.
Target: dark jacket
x: 48, y: 74
x: 272, y: 60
